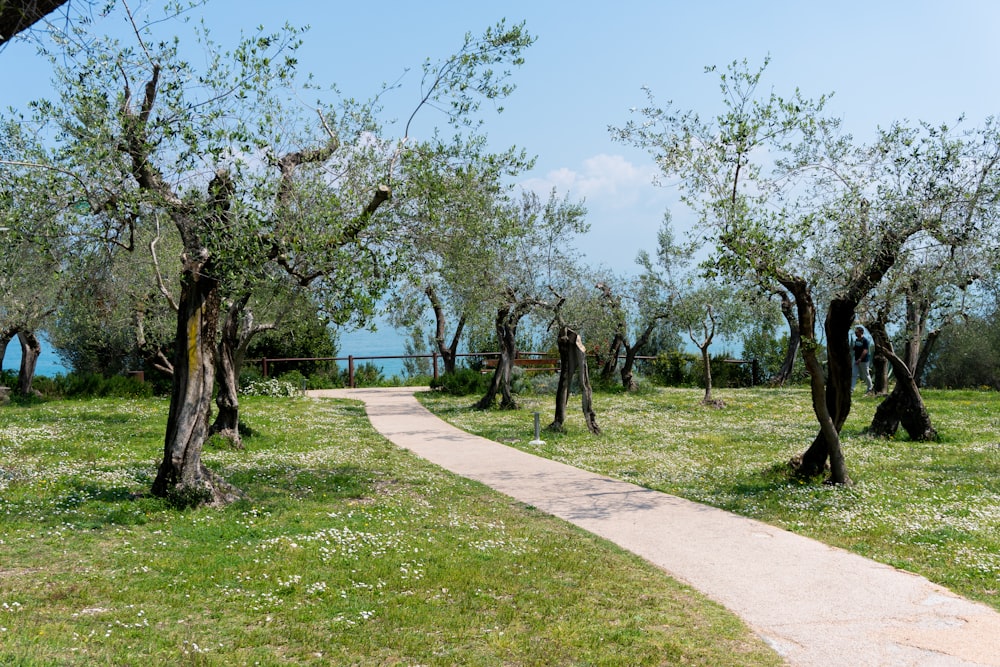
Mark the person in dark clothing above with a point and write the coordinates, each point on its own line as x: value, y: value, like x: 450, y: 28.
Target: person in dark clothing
x: 862, y: 359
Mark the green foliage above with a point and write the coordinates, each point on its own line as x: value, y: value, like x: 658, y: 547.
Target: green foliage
x: 294, y: 378
x: 967, y: 354
x: 769, y: 351
x: 463, y: 382
x: 683, y: 369
x: 92, y: 385
x: 270, y: 387
x: 366, y: 374
x: 674, y: 369
x: 302, y: 334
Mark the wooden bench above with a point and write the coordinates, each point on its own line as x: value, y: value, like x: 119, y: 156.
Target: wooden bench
x: 529, y: 364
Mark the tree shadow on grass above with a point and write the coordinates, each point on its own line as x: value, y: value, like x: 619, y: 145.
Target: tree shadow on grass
x: 763, y: 485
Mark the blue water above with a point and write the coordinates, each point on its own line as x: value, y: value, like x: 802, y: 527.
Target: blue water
x: 49, y: 365
x: 386, y: 341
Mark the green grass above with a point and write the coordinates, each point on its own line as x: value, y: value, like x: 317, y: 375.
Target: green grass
x: 348, y: 551
x: 931, y: 508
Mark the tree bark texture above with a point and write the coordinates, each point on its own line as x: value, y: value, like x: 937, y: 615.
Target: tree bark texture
x: 228, y: 366
x: 506, y: 323
x: 784, y: 373
x: 31, y: 349
x: 573, y: 361
x: 448, y: 352
x: 182, y: 471
x: 826, y: 445
x: 880, y: 374
x: 833, y: 408
x: 904, y: 405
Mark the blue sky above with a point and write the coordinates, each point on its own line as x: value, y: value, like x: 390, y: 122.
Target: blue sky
x: 883, y: 60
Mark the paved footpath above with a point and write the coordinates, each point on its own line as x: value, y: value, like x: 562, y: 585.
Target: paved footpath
x: 814, y: 604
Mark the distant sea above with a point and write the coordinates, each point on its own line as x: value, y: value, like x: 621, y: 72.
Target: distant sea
x: 49, y: 365
x: 386, y: 341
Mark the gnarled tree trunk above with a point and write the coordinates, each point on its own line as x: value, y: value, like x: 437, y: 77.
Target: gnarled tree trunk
x: 784, y: 373
x: 507, y: 319
x: 572, y: 361
x: 904, y: 405
x: 31, y: 349
x: 182, y: 473
x: 828, y: 392
x: 448, y: 352
x: 237, y: 332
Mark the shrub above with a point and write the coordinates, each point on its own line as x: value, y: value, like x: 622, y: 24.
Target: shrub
x: 674, y: 369
x: 463, y: 382
x: 270, y: 387
x: 365, y: 375
x: 294, y: 378
x: 93, y: 385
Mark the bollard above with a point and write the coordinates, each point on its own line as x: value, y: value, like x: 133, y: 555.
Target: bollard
x: 538, y: 433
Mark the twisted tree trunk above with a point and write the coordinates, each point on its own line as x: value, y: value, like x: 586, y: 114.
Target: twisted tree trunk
x: 904, y: 405
x: 182, y: 474
x: 827, y: 403
x: 784, y: 373
x: 507, y: 319
x: 237, y: 332
x: 448, y: 352
x: 31, y: 349
x: 573, y: 361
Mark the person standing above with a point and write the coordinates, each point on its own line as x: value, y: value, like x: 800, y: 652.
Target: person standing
x: 862, y: 359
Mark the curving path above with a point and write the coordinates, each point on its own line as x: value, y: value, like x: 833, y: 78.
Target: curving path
x: 814, y: 604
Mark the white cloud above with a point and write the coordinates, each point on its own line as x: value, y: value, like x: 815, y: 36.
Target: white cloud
x: 610, y: 180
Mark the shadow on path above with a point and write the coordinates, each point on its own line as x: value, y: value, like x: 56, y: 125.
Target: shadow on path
x: 816, y: 605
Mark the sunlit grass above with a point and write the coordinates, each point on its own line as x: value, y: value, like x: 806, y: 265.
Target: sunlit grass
x: 931, y: 508
x: 348, y: 551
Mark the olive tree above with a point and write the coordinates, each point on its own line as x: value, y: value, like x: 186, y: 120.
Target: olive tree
x: 534, y: 259
x: 453, y: 218
x: 732, y: 169
x: 254, y: 188
x: 784, y: 194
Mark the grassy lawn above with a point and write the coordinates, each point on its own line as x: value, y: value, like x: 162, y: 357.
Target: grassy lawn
x: 348, y: 551
x: 930, y: 508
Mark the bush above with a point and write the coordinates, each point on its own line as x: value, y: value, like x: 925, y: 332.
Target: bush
x: 93, y: 385
x: 365, y: 375
x: 463, y: 382
x: 270, y: 387
x: 967, y: 355
x: 294, y: 378
x: 674, y: 369
x: 681, y: 369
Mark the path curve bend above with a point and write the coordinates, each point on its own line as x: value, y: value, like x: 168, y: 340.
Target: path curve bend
x: 816, y: 605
